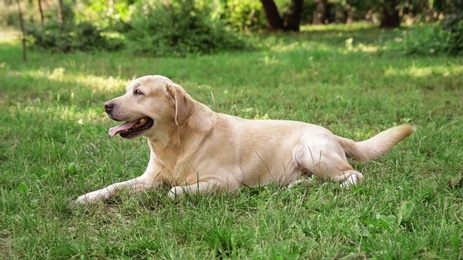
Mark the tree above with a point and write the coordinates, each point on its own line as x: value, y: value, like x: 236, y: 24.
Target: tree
x: 293, y: 17
x: 60, y: 11
x: 389, y: 14
x: 291, y: 20
x: 21, y: 23
x: 41, y: 11
x: 272, y: 16
x: 321, y: 12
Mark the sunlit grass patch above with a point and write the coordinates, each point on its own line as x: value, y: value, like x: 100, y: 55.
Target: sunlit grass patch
x: 36, y: 110
x: 9, y: 35
x: 338, y: 27
x: 59, y: 86
x: 426, y: 71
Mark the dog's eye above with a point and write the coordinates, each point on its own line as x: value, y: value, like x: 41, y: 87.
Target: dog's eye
x: 138, y: 92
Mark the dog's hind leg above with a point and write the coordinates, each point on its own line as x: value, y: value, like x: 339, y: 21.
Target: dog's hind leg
x: 303, y: 182
x: 349, y: 178
x: 329, y: 164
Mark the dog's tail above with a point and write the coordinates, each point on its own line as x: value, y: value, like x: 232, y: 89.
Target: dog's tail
x: 377, y: 145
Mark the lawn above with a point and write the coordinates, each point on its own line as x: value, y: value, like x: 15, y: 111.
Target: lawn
x: 55, y: 147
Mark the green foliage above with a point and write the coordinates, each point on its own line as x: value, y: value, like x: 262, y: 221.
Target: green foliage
x: 429, y: 40
x: 107, y: 15
x: 455, y: 37
x: 246, y: 15
x: 8, y: 15
x: 453, y: 23
x: 178, y: 28
x: 68, y: 35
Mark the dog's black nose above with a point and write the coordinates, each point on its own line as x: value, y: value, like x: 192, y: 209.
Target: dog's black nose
x: 108, y: 106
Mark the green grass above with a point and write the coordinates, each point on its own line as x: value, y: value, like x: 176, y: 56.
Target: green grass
x: 54, y: 147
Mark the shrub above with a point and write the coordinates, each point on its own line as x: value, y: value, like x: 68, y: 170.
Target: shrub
x: 8, y: 15
x: 243, y: 15
x: 428, y: 40
x: 445, y: 37
x: 69, y: 36
x: 178, y: 28
x: 110, y: 15
x: 57, y: 37
x: 453, y: 23
x: 425, y: 40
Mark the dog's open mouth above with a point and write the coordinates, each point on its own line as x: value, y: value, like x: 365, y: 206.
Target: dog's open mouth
x: 131, y: 129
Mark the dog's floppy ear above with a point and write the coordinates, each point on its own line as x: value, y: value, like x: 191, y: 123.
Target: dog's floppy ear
x: 182, y: 103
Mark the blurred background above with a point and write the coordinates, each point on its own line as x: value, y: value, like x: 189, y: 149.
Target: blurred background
x: 179, y: 27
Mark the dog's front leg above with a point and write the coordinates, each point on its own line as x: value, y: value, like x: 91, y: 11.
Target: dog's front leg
x: 137, y: 184
x: 194, y: 189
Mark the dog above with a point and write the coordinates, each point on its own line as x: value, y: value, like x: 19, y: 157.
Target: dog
x: 196, y: 150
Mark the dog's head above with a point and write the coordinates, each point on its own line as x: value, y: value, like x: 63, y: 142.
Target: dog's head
x: 149, y: 102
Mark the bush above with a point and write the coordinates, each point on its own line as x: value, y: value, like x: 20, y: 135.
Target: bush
x: 178, y: 28
x: 110, y: 15
x: 426, y: 40
x: 445, y: 37
x: 430, y: 39
x: 58, y: 37
x: 8, y: 15
x: 243, y: 15
x: 68, y: 36
x: 453, y: 23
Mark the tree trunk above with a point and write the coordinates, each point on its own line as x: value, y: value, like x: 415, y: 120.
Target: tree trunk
x: 293, y: 18
x: 60, y: 11
x: 320, y: 13
x: 41, y: 11
x: 389, y: 14
x: 21, y: 23
x: 272, y: 16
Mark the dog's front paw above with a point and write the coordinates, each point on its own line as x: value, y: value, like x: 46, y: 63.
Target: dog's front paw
x: 93, y: 197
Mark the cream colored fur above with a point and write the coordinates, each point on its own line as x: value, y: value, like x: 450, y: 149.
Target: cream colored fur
x: 197, y: 150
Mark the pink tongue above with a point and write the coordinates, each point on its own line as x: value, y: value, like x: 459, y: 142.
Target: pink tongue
x: 117, y: 129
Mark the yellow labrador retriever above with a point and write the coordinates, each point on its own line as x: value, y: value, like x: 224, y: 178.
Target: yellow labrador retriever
x: 197, y: 150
